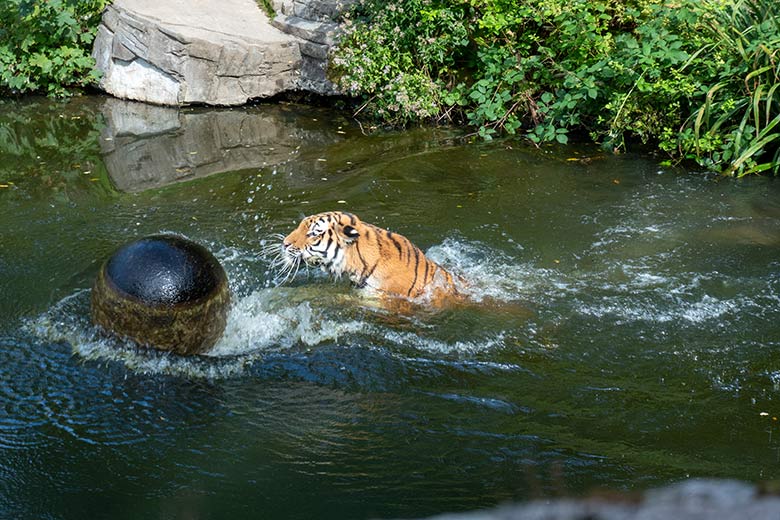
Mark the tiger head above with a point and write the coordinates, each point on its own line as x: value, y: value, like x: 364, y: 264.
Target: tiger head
x: 321, y: 240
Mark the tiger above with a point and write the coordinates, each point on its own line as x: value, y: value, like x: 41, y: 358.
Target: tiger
x: 377, y: 261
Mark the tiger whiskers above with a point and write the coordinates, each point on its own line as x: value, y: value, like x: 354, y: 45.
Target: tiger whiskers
x: 285, y: 269
x: 288, y: 272
x: 271, y: 249
x: 284, y: 265
x: 271, y: 245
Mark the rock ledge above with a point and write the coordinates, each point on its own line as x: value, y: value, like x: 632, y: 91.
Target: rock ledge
x: 215, y: 52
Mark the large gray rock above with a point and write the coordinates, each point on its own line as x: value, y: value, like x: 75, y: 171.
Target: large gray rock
x: 176, y: 52
x: 216, y: 52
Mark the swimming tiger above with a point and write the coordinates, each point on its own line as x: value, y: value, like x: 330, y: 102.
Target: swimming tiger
x: 375, y: 259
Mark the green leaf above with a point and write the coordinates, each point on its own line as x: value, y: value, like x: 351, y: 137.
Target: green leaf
x: 41, y: 61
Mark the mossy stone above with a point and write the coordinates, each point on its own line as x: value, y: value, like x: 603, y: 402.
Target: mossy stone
x: 163, y: 291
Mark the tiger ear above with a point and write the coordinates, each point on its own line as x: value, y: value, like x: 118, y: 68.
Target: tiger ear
x: 350, y: 233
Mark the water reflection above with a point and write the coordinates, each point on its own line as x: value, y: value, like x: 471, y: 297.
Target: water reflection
x: 146, y: 146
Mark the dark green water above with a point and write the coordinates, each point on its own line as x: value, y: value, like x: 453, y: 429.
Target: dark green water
x: 626, y: 332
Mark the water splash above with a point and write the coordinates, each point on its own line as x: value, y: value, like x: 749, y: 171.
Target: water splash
x: 436, y: 346
x: 320, y: 313
x: 648, y: 288
x: 258, y: 324
x: 271, y: 319
x: 493, y: 274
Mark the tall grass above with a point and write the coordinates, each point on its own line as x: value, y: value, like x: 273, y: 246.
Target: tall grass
x: 736, y: 128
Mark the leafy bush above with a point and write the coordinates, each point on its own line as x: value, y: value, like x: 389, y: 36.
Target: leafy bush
x: 617, y: 70
x: 45, y: 45
x: 394, y: 68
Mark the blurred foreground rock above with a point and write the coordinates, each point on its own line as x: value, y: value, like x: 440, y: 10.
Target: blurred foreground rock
x: 688, y: 500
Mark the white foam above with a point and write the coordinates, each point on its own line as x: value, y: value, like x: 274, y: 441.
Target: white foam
x: 707, y: 309
x: 637, y: 289
x: 413, y: 340
x: 491, y: 274
x: 87, y: 343
x: 265, y: 320
x: 710, y: 308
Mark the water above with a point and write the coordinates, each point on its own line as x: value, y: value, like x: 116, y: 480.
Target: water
x: 625, y: 331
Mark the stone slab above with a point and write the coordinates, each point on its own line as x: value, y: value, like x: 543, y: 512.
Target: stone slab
x: 178, y: 52
x: 309, y: 30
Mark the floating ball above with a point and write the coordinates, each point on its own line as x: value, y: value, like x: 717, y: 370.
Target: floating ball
x: 163, y: 291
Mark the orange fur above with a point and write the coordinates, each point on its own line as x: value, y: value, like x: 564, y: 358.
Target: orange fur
x: 373, y: 258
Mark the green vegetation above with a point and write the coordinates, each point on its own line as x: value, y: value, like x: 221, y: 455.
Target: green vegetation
x: 734, y: 128
x: 697, y: 78
x: 45, y: 45
x: 266, y: 7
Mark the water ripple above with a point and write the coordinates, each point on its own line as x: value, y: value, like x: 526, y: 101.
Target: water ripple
x: 494, y: 404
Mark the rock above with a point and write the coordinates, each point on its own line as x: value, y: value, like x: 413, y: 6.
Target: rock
x: 316, y: 24
x: 165, y: 292
x: 314, y: 10
x: 175, y: 52
x: 688, y: 500
x: 317, y: 37
x: 216, y: 52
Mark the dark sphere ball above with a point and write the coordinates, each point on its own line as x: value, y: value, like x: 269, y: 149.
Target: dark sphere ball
x: 163, y: 291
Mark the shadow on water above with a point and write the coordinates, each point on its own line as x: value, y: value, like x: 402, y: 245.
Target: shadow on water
x: 623, y: 333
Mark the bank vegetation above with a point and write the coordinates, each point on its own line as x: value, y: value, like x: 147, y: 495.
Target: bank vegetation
x: 697, y: 79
